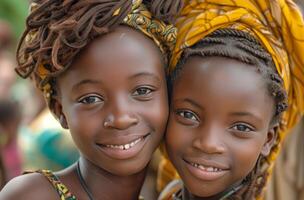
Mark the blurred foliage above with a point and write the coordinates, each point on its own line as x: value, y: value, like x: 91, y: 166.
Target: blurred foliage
x: 15, y: 12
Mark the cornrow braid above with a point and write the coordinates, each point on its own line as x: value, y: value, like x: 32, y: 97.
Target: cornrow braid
x: 241, y: 46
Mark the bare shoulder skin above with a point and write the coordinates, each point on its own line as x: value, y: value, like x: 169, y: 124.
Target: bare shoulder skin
x: 29, y: 187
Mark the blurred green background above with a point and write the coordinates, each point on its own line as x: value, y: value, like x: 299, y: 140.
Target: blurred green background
x: 14, y: 12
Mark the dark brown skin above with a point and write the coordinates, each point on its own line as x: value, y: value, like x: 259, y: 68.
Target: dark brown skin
x: 220, y: 116
x: 114, y: 93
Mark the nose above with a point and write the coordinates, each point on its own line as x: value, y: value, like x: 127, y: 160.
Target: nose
x: 120, y: 116
x: 209, y: 140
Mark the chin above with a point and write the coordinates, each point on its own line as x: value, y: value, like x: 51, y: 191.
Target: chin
x: 129, y: 169
x: 204, y: 194
x: 203, y: 191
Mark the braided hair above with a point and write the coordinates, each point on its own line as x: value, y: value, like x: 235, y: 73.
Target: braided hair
x: 241, y: 46
x: 57, y: 30
x: 165, y: 10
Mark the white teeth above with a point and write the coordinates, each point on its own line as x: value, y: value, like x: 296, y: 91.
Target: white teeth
x: 210, y: 169
x: 201, y: 167
x: 204, y: 168
x: 124, y: 146
x: 127, y: 146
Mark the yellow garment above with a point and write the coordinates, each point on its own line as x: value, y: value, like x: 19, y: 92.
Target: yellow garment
x: 139, y: 18
x: 279, y: 27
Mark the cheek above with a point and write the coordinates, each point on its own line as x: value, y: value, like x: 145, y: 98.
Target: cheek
x: 245, y: 155
x: 156, y: 113
x: 82, y: 124
x: 74, y: 118
x: 177, y: 137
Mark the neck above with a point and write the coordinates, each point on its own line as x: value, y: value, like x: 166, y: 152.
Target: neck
x: 105, y: 185
x: 186, y: 195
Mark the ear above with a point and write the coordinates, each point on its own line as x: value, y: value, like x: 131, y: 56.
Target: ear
x: 56, y: 109
x: 271, y: 138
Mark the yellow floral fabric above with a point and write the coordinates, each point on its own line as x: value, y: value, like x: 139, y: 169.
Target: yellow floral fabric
x: 277, y: 24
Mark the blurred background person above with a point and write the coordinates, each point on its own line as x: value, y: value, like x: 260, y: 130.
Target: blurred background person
x: 10, y: 118
x: 7, y: 74
x: 30, y: 137
x: 5, y: 35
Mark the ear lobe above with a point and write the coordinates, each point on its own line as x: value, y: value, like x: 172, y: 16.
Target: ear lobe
x: 57, y: 111
x: 63, y: 122
x: 271, y: 138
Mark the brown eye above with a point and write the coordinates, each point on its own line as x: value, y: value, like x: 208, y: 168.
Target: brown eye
x: 187, y: 115
x: 142, y: 91
x: 90, y: 99
x: 242, y: 128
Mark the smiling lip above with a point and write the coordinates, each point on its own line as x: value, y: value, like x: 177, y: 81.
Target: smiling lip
x: 207, y: 171
x: 125, y: 150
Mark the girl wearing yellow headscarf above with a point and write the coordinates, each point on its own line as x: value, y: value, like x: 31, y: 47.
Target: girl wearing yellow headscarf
x: 110, y: 54
x: 278, y: 28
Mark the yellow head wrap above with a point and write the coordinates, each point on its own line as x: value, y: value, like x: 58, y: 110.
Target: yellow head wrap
x: 139, y: 18
x: 277, y: 24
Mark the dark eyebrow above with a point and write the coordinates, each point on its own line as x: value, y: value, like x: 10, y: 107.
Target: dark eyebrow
x: 249, y: 114
x: 145, y: 74
x: 83, y: 82
x: 190, y: 101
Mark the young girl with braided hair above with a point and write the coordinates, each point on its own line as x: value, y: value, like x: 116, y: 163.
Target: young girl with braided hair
x: 100, y: 66
x: 234, y: 72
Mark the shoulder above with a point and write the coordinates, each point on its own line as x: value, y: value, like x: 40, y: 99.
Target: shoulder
x: 29, y: 186
x: 172, y: 188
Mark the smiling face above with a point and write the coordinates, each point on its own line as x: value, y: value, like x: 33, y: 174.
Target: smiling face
x: 219, y: 123
x: 114, y: 101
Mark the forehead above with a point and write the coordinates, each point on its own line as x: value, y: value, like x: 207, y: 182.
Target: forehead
x: 122, y: 49
x: 122, y: 42
x: 218, y: 78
